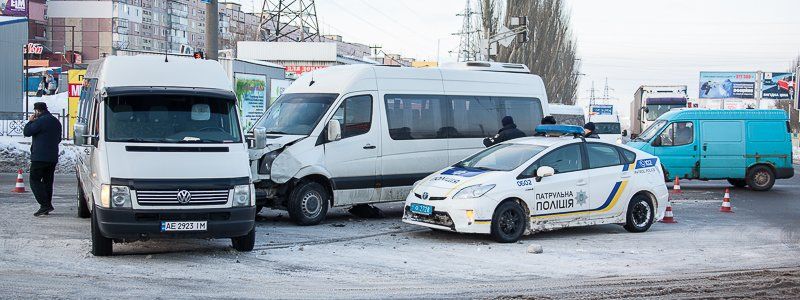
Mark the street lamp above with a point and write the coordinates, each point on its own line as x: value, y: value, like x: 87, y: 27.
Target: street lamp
x: 505, y: 36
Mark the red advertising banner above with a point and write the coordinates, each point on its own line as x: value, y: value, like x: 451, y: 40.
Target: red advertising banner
x: 302, y: 69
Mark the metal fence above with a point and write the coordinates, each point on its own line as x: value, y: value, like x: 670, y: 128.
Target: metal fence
x: 12, y: 123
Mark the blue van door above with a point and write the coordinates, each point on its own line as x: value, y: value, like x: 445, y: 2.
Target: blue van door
x: 722, y: 153
x: 677, y: 148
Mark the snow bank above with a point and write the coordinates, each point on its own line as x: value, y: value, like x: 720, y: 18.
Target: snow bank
x: 56, y: 104
x: 15, y: 154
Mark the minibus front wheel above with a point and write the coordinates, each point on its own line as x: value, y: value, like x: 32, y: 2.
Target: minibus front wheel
x: 308, y: 203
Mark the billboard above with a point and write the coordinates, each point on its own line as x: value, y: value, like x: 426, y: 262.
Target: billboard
x: 13, y: 8
x: 277, y: 88
x: 603, y: 109
x: 779, y: 86
x: 74, y: 86
x: 251, y: 92
x: 722, y: 85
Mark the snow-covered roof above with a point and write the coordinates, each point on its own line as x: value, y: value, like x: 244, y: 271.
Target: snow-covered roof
x: 5, y: 20
x: 153, y: 71
x: 261, y: 62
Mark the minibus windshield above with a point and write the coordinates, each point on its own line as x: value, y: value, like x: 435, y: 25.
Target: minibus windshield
x: 296, y: 114
x: 651, y: 131
x: 171, y: 119
x: 607, y: 128
x: 503, y: 157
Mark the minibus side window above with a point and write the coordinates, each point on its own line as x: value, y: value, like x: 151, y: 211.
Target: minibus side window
x: 355, y: 115
x: 414, y: 117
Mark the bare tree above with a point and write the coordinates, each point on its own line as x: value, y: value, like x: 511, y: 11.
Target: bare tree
x: 550, y: 52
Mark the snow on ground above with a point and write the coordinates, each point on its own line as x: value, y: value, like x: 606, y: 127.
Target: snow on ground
x: 55, y: 103
x: 15, y: 153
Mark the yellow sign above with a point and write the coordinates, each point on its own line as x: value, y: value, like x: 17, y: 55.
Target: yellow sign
x: 424, y: 64
x: 74, y: 92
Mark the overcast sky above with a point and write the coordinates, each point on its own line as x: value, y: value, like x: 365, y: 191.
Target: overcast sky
x: 631, y: 42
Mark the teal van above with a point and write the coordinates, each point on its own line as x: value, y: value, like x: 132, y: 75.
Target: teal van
x: 746, y: 147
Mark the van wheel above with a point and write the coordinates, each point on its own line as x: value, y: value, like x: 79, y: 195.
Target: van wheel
x: 101, y: 246
x: 640, y: 214
x: 739, y: 183
x: 509, y: 222
x: 308, y: 203
x: 760, y: 178
x: 245, y: 243
x: 83, y: 208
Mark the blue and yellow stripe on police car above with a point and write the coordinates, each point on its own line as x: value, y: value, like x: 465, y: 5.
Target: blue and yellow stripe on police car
x: 611, y: 201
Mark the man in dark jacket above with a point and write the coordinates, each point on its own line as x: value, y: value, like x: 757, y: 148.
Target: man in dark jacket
x: 508, y: 132
x: 588, y: 131
x: 46, y: 132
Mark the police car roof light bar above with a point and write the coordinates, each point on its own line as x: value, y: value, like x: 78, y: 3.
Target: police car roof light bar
x: 560, y: 130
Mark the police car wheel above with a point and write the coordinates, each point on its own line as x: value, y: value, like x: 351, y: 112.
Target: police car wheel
x: 509, y: 222
x: 308, y: 203
x: 640, y: 214
x: 760, y: 178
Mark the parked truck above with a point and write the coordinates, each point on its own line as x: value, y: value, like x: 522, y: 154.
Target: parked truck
x: 652, y: 101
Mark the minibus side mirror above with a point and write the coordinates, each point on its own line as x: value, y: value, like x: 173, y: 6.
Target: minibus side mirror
x: 79, y: 134
x: 544, y: 171
x: 625, y: 133
x: 260, y: 136
x: 334, y: 131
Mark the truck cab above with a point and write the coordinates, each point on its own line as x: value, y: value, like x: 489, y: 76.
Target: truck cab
x: 163, y: 154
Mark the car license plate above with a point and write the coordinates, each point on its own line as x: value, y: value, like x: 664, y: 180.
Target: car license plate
x: 184, y: 226
x: 421, y: 209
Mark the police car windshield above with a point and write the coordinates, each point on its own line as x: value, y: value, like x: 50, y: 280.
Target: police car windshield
x: 503, y: 157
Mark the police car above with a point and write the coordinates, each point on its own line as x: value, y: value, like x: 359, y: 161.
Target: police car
x: 534, y: 184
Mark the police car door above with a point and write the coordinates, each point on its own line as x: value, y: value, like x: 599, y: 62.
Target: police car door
x: 608, y: 179
x: 558, y: 197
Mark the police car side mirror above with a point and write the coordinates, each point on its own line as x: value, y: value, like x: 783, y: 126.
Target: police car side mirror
x: 260, y: 135
x: 334, y: 131
x: 544, y: 171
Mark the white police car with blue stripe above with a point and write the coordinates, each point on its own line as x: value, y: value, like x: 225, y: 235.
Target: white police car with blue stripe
x: 534, y: 184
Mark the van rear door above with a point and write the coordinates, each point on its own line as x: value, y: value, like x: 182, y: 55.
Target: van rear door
x: 722, y: 152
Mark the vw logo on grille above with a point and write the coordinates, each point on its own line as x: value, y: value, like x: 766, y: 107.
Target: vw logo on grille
x: 184, y: 197
x: 425, y: 196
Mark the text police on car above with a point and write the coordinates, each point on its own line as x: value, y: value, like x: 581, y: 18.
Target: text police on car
x: 539, y: 183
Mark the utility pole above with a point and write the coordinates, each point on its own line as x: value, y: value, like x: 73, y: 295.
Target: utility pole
x: 212, y: 29
x: 592, y: 98
x: 469, y: 46
x: 289, y: 20
x: 375, y: 49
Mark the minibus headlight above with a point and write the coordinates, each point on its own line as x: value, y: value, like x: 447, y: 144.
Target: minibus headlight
x: 120, y: 196
x: 241, y: 196
x: 266, y: 162
x: 473, y: 191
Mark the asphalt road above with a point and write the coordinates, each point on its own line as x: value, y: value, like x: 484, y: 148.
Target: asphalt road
x: 752, y: 253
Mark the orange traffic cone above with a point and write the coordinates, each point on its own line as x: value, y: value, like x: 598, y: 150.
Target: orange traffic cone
x: 20, y: 187
x: 668, y: 217
x: 726, y: 203
x: 676, y: 188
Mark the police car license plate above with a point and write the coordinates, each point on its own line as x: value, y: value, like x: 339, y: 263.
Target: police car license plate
x: 421, y: 209
x: 184, y: 226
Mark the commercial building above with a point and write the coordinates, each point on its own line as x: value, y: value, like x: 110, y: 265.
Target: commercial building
x: 299, y: 58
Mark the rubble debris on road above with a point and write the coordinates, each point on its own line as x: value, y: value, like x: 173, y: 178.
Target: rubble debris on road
x: 366, y: 211
x: 535, y: 249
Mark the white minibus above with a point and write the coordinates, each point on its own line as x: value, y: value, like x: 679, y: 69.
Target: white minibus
x: 163, y: 153
x: 568, y: 114
x: 361, y: 134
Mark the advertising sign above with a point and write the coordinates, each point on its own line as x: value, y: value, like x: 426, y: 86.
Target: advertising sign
x: 779, y: 86
x: 722, y: 85
x: 251, y: 92
x: 277, y: 86
x: 74, y: 86
x: 13, y: 8
x: 299, y: 70
x: 32, y: 48
x: 603, y: 109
